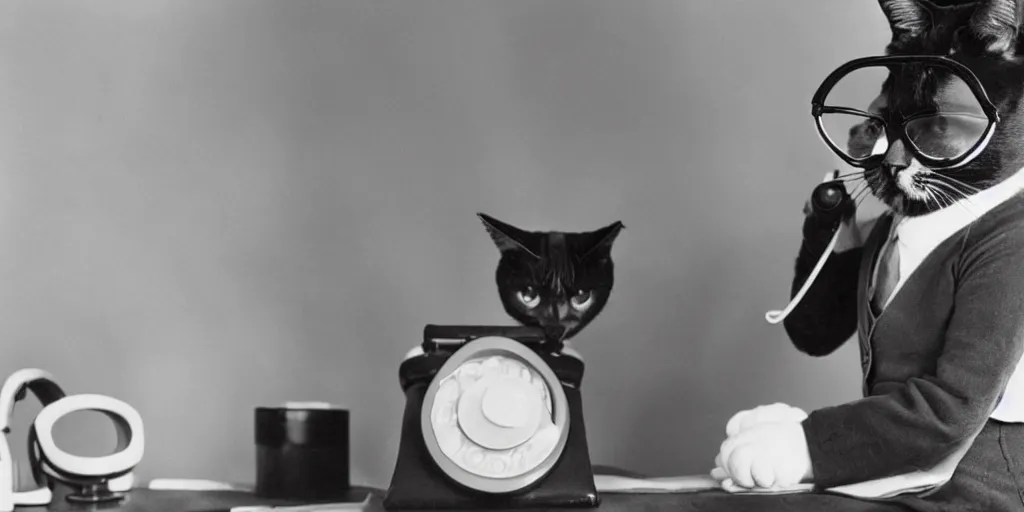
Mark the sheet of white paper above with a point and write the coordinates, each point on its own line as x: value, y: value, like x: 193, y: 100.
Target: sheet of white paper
x: 681, y: 484
x: 319, y: 507
x: 622, y: 484
x: 731, y: 487
x: 194, y: 484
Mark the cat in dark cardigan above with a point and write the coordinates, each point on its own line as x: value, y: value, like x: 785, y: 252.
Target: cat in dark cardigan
x: 554, y: 280
x: 983, y: 36
x: 935, y: 291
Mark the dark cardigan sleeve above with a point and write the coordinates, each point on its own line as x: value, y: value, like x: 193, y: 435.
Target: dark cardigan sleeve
x: 922, y: 420
x: 827, y: 315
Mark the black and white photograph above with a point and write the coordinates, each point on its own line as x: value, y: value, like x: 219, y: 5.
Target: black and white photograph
x: 511, y: 255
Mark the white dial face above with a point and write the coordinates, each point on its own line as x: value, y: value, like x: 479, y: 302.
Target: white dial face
x: 493, y: 417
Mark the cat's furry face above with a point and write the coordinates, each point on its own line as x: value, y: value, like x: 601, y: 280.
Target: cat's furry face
x: 555, y: 280
x: 983, y: 37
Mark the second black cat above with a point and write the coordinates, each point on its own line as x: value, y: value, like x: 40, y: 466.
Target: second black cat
x: 555, y: 280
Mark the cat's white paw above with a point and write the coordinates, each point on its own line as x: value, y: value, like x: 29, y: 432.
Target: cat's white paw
x: 763, y: 414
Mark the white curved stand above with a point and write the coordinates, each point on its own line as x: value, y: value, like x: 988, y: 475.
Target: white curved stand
x: 45, y: 387
x: 48, y: 460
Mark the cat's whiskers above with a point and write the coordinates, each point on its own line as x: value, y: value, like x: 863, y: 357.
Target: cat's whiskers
x: 950, y: 201
x: 956, y: 197
x: 962, y: 201
x: 937, y: 188
x: 851, y: 176
x: 857, y: 188
x: 852, y: 182
x: 929, y: 197
x: 950, y: 183
x: 957, y: 183
x: 862, y: 195
x: 934, y: 197
x: 861, y: 191
x: 956, y: 193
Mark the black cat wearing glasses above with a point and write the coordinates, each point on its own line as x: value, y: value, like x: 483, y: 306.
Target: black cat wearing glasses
x: 935, y: 292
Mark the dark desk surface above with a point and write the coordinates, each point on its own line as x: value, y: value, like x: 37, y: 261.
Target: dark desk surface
x: 143, y: 500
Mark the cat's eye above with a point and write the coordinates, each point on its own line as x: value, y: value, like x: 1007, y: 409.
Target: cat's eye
x: 528, y: 297
x: 946, y: 134
x: 581, y: 299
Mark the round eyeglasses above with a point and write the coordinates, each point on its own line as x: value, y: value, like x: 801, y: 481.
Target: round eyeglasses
x: 947, y: 129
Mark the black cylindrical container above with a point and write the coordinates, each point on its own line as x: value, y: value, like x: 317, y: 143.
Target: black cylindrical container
x: 302, y: 453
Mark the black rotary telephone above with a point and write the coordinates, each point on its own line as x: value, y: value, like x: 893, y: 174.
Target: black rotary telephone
x: 493, y: 419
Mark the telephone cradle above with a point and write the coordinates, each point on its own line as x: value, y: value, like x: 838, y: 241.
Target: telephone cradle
x: 493, y: 419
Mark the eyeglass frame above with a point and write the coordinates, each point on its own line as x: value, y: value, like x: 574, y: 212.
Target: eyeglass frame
x: 963, y: 72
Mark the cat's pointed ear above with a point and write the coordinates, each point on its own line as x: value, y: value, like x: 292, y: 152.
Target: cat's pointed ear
x: 907, y: 18
x: 995, y: 24
x: 505, y: 236
x: 602, y: 239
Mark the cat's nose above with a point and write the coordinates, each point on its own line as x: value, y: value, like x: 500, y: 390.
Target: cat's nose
x: 561, y: 310
x: 554, y: 332
x: 897, y: 155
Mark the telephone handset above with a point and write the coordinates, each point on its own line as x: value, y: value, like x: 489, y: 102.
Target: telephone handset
x: 826, y: 197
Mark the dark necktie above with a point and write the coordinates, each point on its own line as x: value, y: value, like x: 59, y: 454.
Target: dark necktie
x: 888, y: 272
